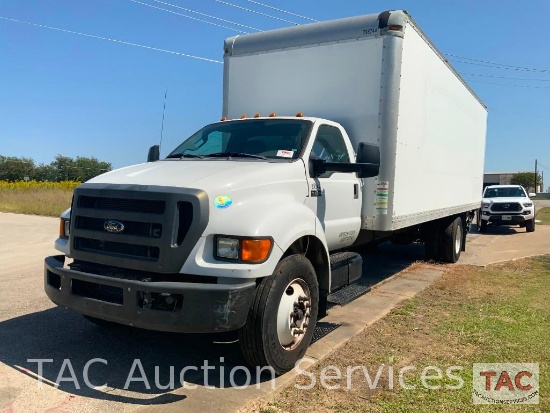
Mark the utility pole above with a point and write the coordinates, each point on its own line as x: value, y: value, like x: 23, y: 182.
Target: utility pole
x: 536, y: 164
x: 542, y: 182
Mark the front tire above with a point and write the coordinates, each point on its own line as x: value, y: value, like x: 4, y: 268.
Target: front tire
x: 483, y: 226
x: 530, y: 225
x: 282, y: 316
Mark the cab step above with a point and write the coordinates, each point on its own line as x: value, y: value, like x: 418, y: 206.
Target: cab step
x: 346, y: 268
x: 347, y: 294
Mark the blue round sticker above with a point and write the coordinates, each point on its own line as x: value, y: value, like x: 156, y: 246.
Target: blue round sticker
x: 223, y: 201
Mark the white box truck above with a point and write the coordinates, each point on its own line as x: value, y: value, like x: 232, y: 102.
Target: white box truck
x: 246, y: 225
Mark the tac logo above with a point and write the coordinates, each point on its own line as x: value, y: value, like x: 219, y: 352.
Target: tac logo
x: 505, y: 383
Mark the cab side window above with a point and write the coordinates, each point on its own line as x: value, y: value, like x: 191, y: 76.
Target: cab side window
x: 329, y: 145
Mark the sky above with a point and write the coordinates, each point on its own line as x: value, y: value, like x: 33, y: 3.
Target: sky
x: 75, y: 95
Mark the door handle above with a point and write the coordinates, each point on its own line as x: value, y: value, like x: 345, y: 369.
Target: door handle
x: 356, y: 191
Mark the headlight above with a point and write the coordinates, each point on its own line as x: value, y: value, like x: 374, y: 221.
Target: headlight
x: 64, y: 228
x: 252, y: 250
x: 228, y: 248
x: 527, y: 204
x: 486, y: 204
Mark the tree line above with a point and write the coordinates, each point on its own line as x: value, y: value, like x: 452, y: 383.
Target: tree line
x: 63, y: 168
x: 527, y: 180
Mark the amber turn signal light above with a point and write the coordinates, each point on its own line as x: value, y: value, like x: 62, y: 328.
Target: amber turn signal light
x: 255, y: 250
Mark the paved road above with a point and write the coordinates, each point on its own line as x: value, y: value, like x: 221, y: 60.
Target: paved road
x: 31, y: 327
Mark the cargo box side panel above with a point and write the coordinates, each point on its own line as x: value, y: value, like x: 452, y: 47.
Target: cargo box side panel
x: 335, y: 81
x: 440, y: 141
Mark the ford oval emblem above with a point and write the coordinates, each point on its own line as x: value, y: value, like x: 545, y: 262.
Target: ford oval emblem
x: 115, y: 227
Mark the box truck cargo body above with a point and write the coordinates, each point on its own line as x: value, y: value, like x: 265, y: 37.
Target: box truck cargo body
x: 381, y: 78
x: 356, y: 131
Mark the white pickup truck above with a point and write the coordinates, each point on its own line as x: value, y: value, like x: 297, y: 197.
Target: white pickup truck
x: 245, y: 225
x: 507, y: 205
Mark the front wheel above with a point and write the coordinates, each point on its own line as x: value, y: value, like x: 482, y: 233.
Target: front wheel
x: 483, y: 226
x: 282, y: 316
x: 530, y: 225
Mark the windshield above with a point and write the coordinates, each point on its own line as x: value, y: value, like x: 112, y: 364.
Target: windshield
x: 512, y: 192
x: 269, y: 138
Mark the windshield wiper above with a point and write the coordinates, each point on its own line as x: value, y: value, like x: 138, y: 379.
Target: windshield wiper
x: 234, y: 155
x: 185, y: 155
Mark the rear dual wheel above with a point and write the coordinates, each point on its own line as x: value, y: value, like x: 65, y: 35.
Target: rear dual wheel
x: 451, y: 246
x: 443, y: 240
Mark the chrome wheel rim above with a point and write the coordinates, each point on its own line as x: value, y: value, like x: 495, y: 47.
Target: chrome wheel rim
x: 293, y: 314
x: 458, y: 240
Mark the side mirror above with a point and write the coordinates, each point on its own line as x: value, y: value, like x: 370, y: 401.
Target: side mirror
x: 154, y: 153
x: 367, y: 163
x: 368, y: 153
x: 532, y: 195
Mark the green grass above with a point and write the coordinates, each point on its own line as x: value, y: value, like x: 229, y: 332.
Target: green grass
x: 39, y: 201
x: 543, y: 215
x: 498, y: 314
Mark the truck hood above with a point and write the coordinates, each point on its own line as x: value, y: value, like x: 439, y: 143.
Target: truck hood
x: 505, y: 200
x: 209, y: 175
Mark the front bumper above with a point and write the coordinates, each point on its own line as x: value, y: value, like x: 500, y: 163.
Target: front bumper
x: 204, y: 308
x: 514, y: 218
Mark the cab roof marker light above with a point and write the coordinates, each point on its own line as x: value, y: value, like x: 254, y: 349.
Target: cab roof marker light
x: 257, y: 115
x: 243, y: 117
x: 223, y: 119
x: 299, y: 115
x: 272, y: 114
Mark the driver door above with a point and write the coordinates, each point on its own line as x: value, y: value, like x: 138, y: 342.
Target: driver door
x: 335, y: 197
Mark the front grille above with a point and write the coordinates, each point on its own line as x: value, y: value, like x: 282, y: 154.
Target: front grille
x: 145, y: 228
x: 144, y: 206
x: 506, y: 207
x: 117, y: 248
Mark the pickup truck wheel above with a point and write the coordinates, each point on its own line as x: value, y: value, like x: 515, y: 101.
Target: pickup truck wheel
x: 530, y: 225
x: 483, y: 226
x: 282, y: 316
x: 451, y: 241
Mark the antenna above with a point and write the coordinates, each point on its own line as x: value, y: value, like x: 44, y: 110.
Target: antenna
x: 163, y: 111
